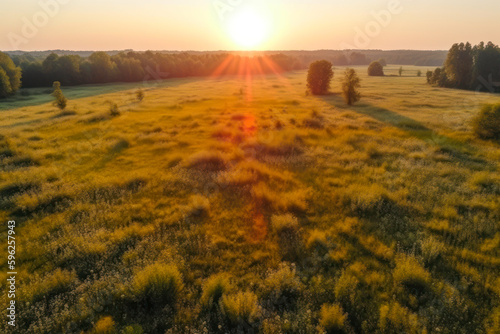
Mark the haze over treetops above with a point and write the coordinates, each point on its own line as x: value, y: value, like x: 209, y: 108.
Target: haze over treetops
x: 244, y: 24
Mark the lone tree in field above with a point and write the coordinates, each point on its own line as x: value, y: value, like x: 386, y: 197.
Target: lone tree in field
x: 350, y: 85
x: 60, y: 101
x: 140, y: 95
x: 319, y: 77
x: 376, y: 69
x: 401, y: 71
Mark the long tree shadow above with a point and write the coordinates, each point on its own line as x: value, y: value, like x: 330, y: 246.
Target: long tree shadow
x: 457, y: 150
x: 37, y: 96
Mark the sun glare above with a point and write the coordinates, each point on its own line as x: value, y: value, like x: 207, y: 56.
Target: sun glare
x: 248, y: 29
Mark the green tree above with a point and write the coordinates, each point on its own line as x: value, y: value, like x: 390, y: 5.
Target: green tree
x: 10, y: 76
x: 486, y: 124
x: 103, y: 68
x: 68, y: 70
x: 486, y: 66
x: 428, y: 75
x: 376, y: 69
x: 350, y: 85
x: 401, y: 71
x: 459, y: 65
x: 419, y: 73
x: 60, y: 101
x: 319, y: 77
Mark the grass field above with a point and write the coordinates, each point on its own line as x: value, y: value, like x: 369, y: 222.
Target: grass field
x: 243, y: 204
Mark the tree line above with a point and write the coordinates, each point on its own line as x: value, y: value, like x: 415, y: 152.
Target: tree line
x: 131, y: 66
x: 469, y: 67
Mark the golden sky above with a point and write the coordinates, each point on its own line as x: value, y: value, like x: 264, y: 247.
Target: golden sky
x: 245, y: 24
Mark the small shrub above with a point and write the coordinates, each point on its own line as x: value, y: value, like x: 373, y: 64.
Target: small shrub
x: 199, y: 206
x: 53, y: 284
x: 213, y: 290
x: 395, y: 318
x: 139, y: 95
x: 350, y: 85
x: 432, y: 250
x: 241, y: 308
x: 158, y: 284
x: 376, y: 69
x: 317, y: 241
x: 105, y: 325
x: 313, y: 123
x: 492, y: 323
x: 411, y: 275
x: 278, y: 125
x: 113, y: 110
x: 419, y: 73
x: 486, y: 124
x: 332, y: 318
x: 285, y: 225
x: 282, y: 287
x: 133, y: 329
x: 60, y: 101
x: 347, y: 288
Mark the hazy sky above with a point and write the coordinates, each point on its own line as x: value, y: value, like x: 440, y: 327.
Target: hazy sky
x: 216, y: 24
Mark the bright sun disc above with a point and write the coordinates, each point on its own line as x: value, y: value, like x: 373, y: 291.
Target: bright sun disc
x: 248, y: 29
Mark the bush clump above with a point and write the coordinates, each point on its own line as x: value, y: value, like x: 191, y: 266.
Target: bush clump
x: 317, y: 241
x: 241, y: 308
x: 410, y: 274
x: 60, y: 100
x: 53, y: 284
x: 158, y: 284
x: 139, y: 94
x: 213, y: 290
x: 395, y: 318
x: 333, y: 318
x: 285, y: 225
x: 105, y: 325
x: 113, y: 110
x: 486, y: 124
x: 376, y: 69
x: 282, y: 287
x: 319, y: 77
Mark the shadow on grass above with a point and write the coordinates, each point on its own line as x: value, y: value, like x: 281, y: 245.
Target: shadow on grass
x: 42, y: 95
x: 458, y: 151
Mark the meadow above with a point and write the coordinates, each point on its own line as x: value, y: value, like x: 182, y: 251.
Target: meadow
x: 243, y: 204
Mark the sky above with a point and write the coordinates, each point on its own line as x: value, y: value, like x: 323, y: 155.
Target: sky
x: 245, y: 24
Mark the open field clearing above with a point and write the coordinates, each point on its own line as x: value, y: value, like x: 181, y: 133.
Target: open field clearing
x: 231, y: 204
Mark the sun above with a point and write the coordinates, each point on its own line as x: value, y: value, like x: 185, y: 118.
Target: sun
x: 248, y: 28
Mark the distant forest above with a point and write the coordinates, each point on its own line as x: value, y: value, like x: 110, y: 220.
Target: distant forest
x: 42, y: 68
x: 469, y: 67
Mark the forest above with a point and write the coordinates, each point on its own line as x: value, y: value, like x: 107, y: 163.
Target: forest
x: 468, y: 67
x: 41, y: 69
